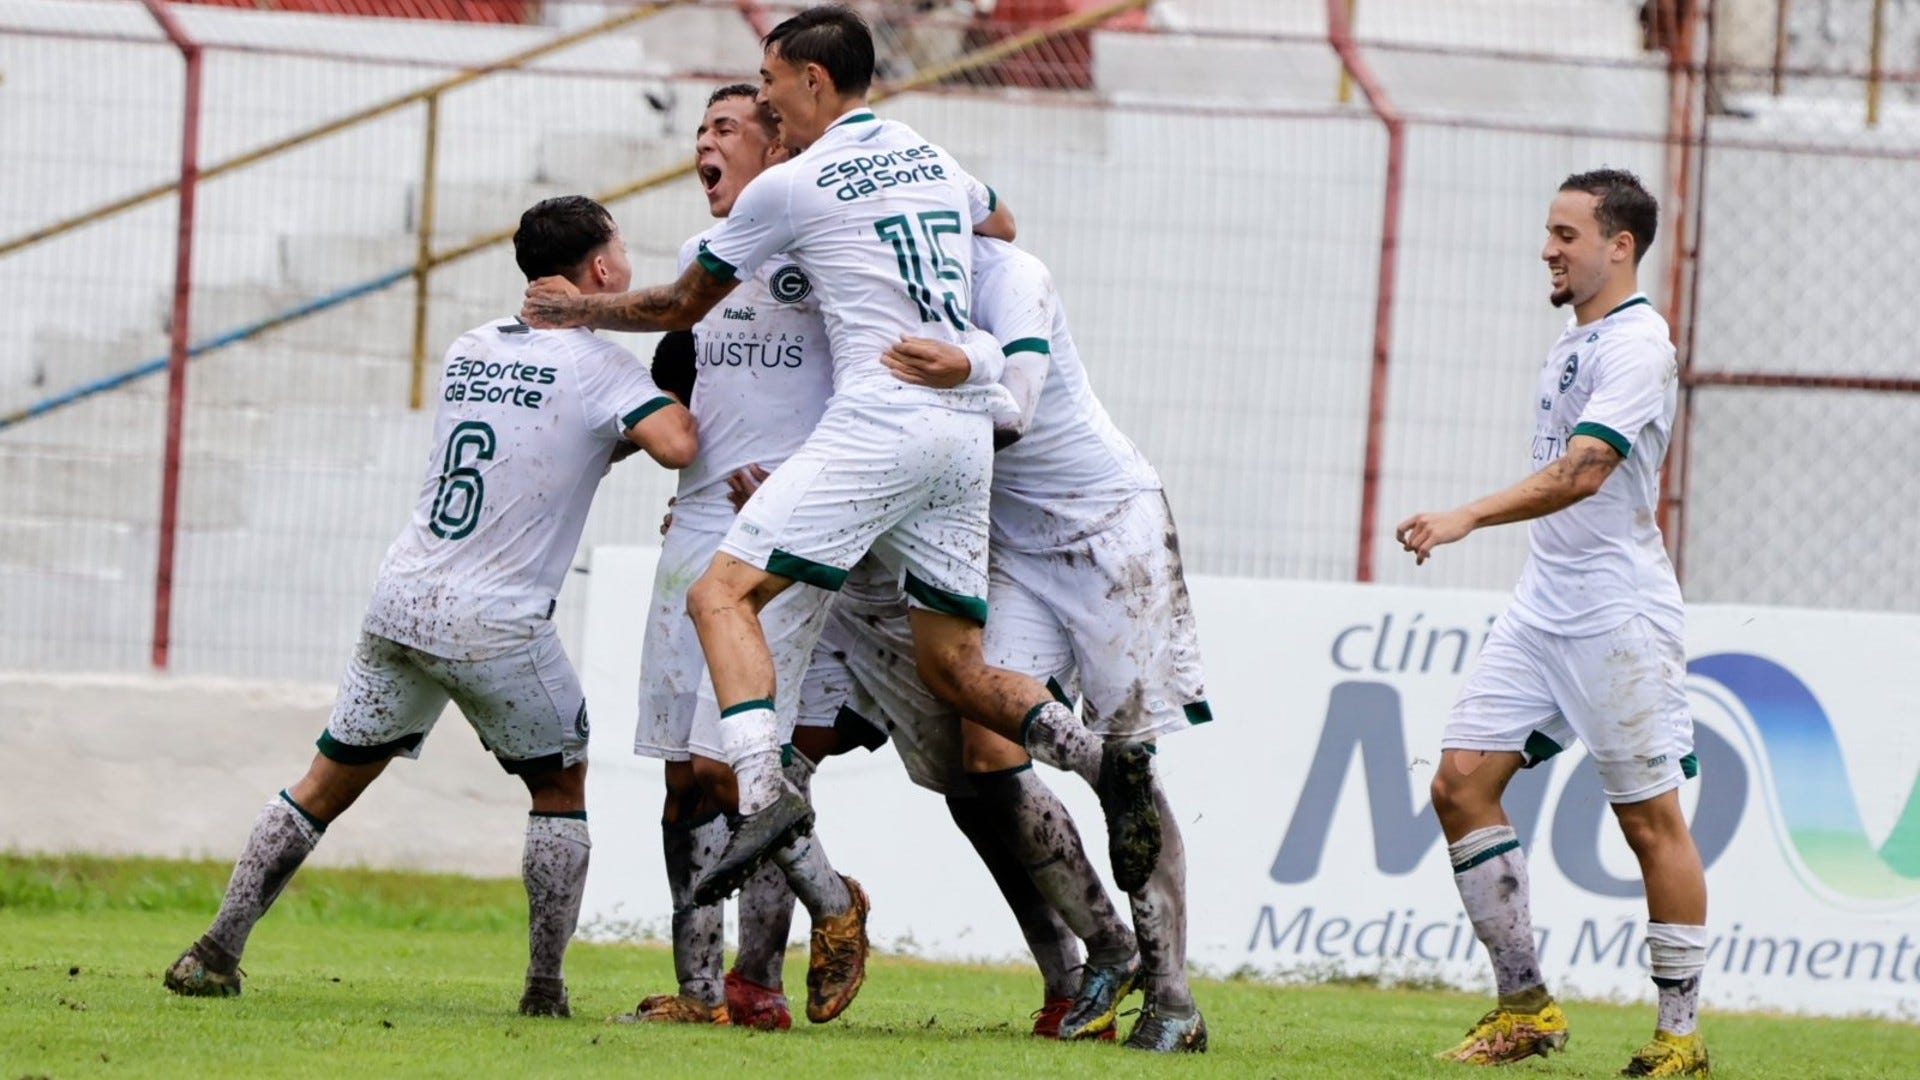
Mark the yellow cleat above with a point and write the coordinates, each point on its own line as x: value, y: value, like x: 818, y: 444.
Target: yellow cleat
x: 674, y: 1009
x: 1504, y: 1036
x: 1670, y: 1055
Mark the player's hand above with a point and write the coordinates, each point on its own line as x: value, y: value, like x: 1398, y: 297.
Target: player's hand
x: 667, y: 521
x: 742, y: 484
x: 549, y: 304
x: 1421, y: 533
x: 924, y: 362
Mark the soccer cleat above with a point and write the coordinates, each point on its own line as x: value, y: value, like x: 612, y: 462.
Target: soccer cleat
x: 1102, y: 989
x: 1670, y: 1055
x: 1133, y: 817
x: 193, y: 976
x: 754, y: 1006
x: 1504, y: 1036
x: 837, y: 959
x: 754, y: 837
x: 1046, y: 1022
x: 545, y: 997
x: 1162, y: 1034
x: 674, y: 1009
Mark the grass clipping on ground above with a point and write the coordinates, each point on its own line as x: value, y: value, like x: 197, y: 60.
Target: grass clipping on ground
x: 388, y: 974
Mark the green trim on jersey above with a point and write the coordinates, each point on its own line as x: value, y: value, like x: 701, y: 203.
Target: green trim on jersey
x: 1628, y: 304
x: 746, y: 706
x: 1690, y: 766
x: 1606, y: 435
x: 971, y: 608
x: 864, y: 116
x: 993, y: 200
x: 715, y: 265
x: 1028, y: 344
x: 1198, y: 712
x: 628, y: 421
x: 806, y: 571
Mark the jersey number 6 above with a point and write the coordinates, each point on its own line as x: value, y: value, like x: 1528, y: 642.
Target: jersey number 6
x: 456, y: 505
x: 947, y: 271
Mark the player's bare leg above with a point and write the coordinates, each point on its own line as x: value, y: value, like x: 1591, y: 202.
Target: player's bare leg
x: 1034, y: 828
x: 1490, y: 871
x: 553, y: 867
x: 949, y: 657
x: 1656, y: 830
x: 692, y: 832
x: 284, y: 834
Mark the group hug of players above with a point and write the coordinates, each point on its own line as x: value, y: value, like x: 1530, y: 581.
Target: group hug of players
x: 904, y: 516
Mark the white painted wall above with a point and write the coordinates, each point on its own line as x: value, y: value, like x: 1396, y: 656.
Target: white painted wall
x: 1219, y: 265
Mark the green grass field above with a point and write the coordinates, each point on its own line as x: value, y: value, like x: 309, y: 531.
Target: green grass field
x: 378, y: 974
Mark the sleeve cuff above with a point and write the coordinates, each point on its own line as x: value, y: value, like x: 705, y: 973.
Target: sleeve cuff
x: 988, y: 360
x: 628, y: 421
x: 715, y: 265
x: 1621, y: 445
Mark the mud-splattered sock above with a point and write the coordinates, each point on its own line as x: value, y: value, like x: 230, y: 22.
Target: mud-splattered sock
x: 553, y: 867
x: 1037, y: 829
x: 812, y: 877
x: 749, y: 735
x: 283, y: 835
x: 1051, y: 733
x: 766, y: 902
x: 1678, y: 956
x: 1490, y: 870
x: 1056, y: 949
x: 1160, y: 919
x: 698, y: 945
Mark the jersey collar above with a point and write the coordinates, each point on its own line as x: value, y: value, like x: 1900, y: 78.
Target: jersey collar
x: 861, y: 115
x: 1632, y: 301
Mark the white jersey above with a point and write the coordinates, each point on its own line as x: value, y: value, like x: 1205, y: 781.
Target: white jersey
x: 527, y: 423
x: 880, y: 220
x: 763, y: 377
x: 1073, y: 473
x: 1600, y: 562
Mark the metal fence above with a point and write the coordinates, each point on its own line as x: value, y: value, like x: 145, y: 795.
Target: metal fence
x: 1298, y: 241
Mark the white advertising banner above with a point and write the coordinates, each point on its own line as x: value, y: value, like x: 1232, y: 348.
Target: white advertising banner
x: 1312, y: 847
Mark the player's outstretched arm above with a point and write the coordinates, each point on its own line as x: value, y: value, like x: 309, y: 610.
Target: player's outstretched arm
x: 553, y: 302
x: 667, y: 435
x: 1577, y: 474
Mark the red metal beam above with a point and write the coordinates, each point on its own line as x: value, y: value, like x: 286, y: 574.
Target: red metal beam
x: 1340, y: 38
x: 1768, y: 381
x: 181, y: 328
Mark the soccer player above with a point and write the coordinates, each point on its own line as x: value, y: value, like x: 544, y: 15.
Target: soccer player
x: 879, y: 219
x: 757, y: 376
x: 1591, y: 646
x: 528, y: 422
x: 1087, y: 590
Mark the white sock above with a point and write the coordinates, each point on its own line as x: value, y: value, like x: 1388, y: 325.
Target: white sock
x: 1678, y: 956
x: 553, y: 867
x: 1490, y: 870
x: 749, y: 733
x: 1051, y: 733
x: 817, y: 885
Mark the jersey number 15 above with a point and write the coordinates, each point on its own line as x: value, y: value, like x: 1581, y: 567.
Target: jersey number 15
x: 948, y: 273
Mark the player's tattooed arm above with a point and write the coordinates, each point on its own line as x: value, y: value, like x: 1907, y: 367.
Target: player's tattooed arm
x: 1575, y: 475
x: 554, y: 302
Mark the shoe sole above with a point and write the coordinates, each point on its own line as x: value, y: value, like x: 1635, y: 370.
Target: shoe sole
x: 717, y: 886
x: 1551, y: 1043
x: 1133, y: 839
x: 1104, y: 1023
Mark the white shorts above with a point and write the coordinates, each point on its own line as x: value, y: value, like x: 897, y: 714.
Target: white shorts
x: 909, y: 483
x: 863, y: 678
x: 1621, y: 693
x: 673, y: 670
x: 1108, y: 617
x: 525, y: 704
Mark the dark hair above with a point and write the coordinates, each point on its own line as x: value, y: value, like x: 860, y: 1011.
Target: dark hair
x: 1624, y: 205
x: 747, y: 90
x: 833, y: 37
x: 556, y: 235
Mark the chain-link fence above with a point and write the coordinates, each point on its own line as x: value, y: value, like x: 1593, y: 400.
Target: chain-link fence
x: 1207, y: 181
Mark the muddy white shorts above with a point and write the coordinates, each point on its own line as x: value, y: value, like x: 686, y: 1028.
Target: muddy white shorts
x: 909, y: 483
x: 863, y: 680
x: 1107, y: 618
x: 672, y: 666
x: 1622, y: 694
x: 525, y: 704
